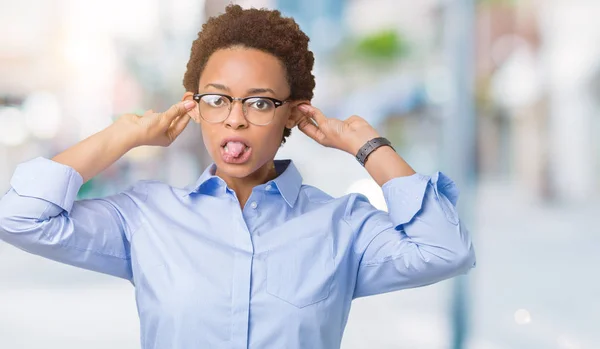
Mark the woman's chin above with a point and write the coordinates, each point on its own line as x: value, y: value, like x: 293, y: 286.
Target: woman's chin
x: 248, y: 170
x: 235, y: 170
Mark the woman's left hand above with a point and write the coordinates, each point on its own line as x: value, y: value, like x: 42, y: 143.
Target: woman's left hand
x: 348, y: 135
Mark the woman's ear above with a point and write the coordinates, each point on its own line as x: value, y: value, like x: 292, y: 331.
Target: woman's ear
x: 295, y: 114
x: 189, y: 96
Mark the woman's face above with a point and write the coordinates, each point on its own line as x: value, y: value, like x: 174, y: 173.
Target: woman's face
x: 238, y: 147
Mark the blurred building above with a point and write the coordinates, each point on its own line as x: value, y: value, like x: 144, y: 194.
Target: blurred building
x: 539, y: 105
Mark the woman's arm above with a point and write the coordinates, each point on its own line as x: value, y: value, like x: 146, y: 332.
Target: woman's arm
x: 94, y: 154
x: 421, y: 240
x: 39, y: 213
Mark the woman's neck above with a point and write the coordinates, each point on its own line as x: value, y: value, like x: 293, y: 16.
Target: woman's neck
x: 243, y: 186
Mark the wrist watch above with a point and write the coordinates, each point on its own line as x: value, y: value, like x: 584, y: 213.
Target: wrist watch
x: 370, y: 146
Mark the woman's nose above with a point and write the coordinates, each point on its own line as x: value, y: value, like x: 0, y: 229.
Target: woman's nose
x: 236, y: 117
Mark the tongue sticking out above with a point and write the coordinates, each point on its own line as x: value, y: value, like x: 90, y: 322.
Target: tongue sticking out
x: 234, y: 148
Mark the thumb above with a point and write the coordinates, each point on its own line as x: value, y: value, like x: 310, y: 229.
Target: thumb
x: 313, y: 113
x: 178, y: 109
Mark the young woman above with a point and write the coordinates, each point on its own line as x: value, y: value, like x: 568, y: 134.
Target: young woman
x: 247, y: 256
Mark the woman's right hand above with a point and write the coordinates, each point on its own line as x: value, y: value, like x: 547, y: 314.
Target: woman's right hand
x: 95, y: 153
x: 158, y: 129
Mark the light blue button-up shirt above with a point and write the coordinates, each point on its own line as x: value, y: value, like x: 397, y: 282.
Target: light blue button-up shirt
x: 280, y: 273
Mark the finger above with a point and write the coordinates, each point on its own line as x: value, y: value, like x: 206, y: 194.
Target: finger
x: 311, y: 130
x: 179, y: 125
x: 296, y: 116
x: 313, y: 112
x: 147, y: 113
x: 176, y: 110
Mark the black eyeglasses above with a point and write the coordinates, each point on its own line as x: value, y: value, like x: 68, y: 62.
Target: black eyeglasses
x: 215, y: 108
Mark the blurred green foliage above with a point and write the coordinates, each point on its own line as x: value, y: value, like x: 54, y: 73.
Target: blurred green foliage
x: 384, y: 46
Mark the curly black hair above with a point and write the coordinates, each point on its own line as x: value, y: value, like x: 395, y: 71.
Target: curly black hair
x: 261, y: 29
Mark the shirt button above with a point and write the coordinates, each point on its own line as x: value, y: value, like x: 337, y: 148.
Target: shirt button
x: 254, y: 204
x: 268, y: 187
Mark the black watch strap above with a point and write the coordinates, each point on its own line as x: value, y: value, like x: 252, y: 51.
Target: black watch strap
x: 370, y: 146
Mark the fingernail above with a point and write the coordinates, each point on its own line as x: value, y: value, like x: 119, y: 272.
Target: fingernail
x: 189, y: 105
x: 304, y: 107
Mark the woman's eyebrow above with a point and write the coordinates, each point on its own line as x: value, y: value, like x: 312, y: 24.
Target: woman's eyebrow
x: 251, y: 91
x: 218, y: 87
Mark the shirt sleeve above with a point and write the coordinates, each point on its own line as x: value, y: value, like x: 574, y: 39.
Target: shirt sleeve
x: 420, y: 241
x: 39, y: 215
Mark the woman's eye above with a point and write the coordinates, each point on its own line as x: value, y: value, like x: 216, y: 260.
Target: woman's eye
x: 215, y: 101
x: 261, y: 104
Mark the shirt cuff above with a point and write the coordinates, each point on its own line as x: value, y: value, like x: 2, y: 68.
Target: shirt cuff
x: 48, y: 180
x: 404, y: 195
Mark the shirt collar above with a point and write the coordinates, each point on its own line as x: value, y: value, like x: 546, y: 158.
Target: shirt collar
x: 288, y: 183
x: 208, y: 183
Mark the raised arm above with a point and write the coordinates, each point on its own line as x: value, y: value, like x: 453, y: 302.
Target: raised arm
x: 94, y: 154
x: 421, y: 240
x: 40, y: 214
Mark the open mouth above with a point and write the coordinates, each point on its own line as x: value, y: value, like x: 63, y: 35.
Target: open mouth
x: 235, y: 151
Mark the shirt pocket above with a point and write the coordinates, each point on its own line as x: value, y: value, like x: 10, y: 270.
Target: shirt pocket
x: 301, y: 272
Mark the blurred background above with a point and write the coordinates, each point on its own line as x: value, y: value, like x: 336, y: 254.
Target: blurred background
x: 503, y: 96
